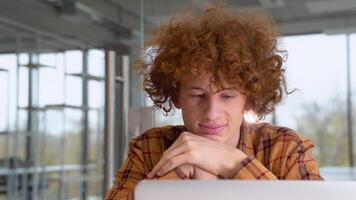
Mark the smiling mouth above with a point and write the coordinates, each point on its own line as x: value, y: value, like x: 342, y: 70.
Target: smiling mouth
x: 211, y: 129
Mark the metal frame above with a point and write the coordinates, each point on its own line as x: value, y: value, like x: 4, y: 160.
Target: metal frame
x: 7, y: 130
x: 125, y: 102
x: 31, y: 29
x: 109, y: 119
x: 63, y: 167
x: 349, y: 102
x: 85, y: 132
x: 116, y: 134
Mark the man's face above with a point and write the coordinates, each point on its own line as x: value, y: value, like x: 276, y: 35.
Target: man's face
x: 211, y: 113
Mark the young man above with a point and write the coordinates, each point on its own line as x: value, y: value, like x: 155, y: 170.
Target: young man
x: 215, y: 66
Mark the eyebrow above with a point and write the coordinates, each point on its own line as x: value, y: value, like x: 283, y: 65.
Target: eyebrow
x: 192, y: 87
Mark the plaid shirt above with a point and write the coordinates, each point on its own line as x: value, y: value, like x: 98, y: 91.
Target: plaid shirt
x: 273, y: 153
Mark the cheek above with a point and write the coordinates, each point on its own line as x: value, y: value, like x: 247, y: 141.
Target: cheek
x: 235, y: 112
x: 190, y: 107
x: 189, y: 115
x: 188, y: 120
x: 235, y: 117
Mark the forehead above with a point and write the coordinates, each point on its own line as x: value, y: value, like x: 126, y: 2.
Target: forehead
x: 206, y: 82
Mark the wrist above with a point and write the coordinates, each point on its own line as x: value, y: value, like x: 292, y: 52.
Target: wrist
x: 234, y: 164
x: 202, y: 174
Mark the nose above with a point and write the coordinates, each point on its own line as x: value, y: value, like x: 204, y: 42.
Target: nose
x: 211, y: 108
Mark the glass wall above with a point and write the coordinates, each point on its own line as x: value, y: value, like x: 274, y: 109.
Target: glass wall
x: 51, y: 120
x: 317, y: 67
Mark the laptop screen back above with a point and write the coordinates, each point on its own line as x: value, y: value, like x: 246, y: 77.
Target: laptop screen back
x: 244, y: 190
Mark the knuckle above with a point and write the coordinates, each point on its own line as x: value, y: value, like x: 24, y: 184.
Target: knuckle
x: 184, y: 133
x: 185, y: 136
x: 191, y: 155
x: 190, y: 145
x: 170, y: 163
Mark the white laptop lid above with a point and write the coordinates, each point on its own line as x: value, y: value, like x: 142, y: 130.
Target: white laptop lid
x: 244, y: 190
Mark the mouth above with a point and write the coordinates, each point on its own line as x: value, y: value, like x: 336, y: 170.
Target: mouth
x: 211, y: 129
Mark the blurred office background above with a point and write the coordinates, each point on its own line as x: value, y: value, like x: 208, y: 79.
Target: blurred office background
x: 70, y: 98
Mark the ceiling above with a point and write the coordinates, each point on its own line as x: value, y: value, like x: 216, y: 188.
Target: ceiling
x: 118, y: 23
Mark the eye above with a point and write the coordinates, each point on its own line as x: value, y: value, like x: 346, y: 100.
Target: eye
x: 227, y: 96
x: 197, y: 95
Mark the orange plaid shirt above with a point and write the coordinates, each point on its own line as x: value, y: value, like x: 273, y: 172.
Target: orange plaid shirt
x: 273, y: 153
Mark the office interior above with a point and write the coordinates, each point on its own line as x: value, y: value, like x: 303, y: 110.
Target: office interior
x: 70, y: 98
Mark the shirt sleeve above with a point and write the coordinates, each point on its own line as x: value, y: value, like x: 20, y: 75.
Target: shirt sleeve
x: 301, y: 165
x: 298, y: 165
x: 131, y: 172
x: 252, y: 169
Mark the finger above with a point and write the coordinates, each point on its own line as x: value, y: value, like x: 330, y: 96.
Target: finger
x: 167, y: 156
x: 186, y: 137
x: 183, y: 138
x: 173, y: 163
x: 181, y: 174
x: 201, y: 138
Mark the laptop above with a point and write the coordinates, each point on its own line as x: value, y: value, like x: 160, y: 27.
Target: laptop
x: 244, y: 190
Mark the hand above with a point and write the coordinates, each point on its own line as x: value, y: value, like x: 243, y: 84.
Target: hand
x: 188, y: 171
x: 201, y: 174
x: 185, y: 171
x: 212, y: 156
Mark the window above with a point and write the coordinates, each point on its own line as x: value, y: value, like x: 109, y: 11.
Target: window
x: 316, y: 67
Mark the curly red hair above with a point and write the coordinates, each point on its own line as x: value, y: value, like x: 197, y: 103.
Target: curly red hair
x: 238, y: 47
